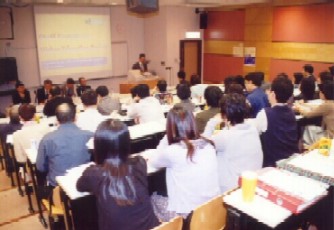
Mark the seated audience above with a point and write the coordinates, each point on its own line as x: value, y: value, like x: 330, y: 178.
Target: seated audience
x: 63, y: 148
x: 106, y: 103
x: 30, y: 132
x: 307, y: 90
x: 181, y: 75
x: 147, y: 108
x: 21, y: 95
x: 256, y: 96
x: 191, y: 166
x: 298, y: 77
x: 234, y: 88
x: 43, y: 93
x: 68, y: 89
x: 82, y: 87
x: 326, y: 110
x: 212, y: 95
x: 277, y: 124
x: 325, y: 76
x: 90, y: 118
x: 331, y: 70
x: 55, y: 100
x: 233, y: 156
x: 196, y: 88
x: 163, y: 95
x: 118, y: 181
x: 183, y: 92
x: 227, y: 82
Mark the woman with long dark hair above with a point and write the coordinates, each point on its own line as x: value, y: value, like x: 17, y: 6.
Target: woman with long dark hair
x: 118, y: 182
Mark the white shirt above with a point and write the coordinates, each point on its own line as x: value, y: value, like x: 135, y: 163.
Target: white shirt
x: 238, y: 149
x: 189, y: 183
x: 22, y: 139
x: 147, y: 109
x: 89, y: 119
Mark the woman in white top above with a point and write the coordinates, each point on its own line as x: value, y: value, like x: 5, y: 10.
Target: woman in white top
x: 238, y: 145
x: 191, y: 164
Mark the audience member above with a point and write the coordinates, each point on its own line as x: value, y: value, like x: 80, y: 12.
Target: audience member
x: 227, y: 82
x: 234, y: 158
x: 106, y: 103
x: 43, y: 93
x: 147, y: 108
x: 181, y: 75
x: 162, y: 95
x: 141, y: 64
x: 55, y: 100
x: 325, y: 76
x: 30, y: 133
x: 331, y: 70
x: 308, y: 71
x: 298, y: 77
x: 68, y: 89
x: 191, y: 166
x: 118, y: 181
x: 21, y: 95
x: 63, y: 148
x: 212, y: 95
x: 90, y: 118
x: 307, y: 90
x: 196, y: 88
x: 326, y: 110
x: 234, y: 88
x: 256, y: 96
x: 277, y: 124
x: 183, y: 92
x: 82, y: 87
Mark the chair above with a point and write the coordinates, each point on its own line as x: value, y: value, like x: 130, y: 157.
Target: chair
x: 209, y: 216
x: 173, y: 224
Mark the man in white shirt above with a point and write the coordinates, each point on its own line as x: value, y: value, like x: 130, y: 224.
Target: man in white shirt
x: 31, y: 132
x: 90, y: 118
x: 145, y: 108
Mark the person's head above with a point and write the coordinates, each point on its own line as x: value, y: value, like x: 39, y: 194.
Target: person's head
x: 240, y: 80
x: 70, y: 83
x: 65, y: 113
x: 143, y: 90
x: 162, y: 85
x: 234, y: 108
x: 228, y: 81
x: 181, y: 75
x: 55, y: 91
x: 253, y: 80
x: 181, y: 126
x: 47, y: 84
x: 82, y: 81
x: 298, y: 76
x: 195, y: 79
x: 308, y: 69
x: 331, y: 70
x: 307, y: 88
x: 281, y: 89
x: 102, y: 91
x: 89, y: 97
x: 327, y: 90
x: 212, y: 95
x: 325, y: 76
x: 20, y: 87
x: 183, y: 91
x: 234, y: 88
x: 27, y: 112
x: 14, y: 117
x: 133, y: 91
x: 142, y: 58
x: 111, y: 140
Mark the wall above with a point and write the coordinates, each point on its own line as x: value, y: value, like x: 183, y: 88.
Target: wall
x: 285, y: 39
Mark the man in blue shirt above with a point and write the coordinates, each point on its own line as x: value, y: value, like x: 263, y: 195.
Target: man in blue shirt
x: 63, y: 148
x: 256, y: 97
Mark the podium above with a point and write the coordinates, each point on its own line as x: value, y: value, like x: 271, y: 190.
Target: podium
x: 135, y: 78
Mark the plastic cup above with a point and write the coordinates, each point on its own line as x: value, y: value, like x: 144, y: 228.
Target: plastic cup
x: 248, y: 185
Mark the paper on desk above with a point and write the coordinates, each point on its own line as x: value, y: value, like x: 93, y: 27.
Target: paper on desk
x: 260, y: 208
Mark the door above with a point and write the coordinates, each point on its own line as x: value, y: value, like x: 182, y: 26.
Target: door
x: 191, y: 57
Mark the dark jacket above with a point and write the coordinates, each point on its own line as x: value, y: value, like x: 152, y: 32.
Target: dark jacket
x: 19, y: 100
x: 50, y: 107
x: 41, y: 95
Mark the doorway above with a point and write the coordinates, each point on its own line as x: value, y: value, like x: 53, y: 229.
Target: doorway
x: 191, y: 57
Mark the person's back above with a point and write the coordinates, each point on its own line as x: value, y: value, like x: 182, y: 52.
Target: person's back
x: 106, y: 103
x: 183, y: 92
x: 118, y: 181
x: 51, y: 105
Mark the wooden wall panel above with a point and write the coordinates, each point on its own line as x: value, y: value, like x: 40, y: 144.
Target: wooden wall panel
x: 218, y: 67
x: 289, y: 66
x: 221, y: 47
x: 311, y: 23
x: 227, y: 25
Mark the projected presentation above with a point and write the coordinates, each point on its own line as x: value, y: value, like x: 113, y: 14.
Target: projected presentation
x: 73, y: 42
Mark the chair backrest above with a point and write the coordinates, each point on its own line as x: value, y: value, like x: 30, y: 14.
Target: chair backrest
x: 173, y: 224
x: 209, y: 216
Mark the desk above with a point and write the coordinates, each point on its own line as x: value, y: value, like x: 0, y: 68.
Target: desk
x: 126, y: 87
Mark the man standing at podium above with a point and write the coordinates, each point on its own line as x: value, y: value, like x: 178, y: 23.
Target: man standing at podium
x: 141, y: 64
